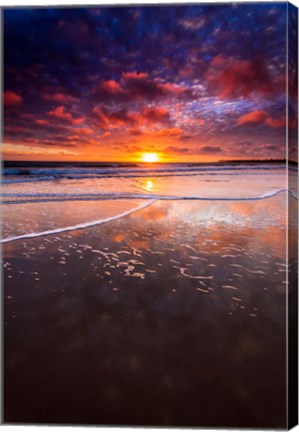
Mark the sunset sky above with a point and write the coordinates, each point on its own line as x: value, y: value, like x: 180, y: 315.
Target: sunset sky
x: 190, y: 83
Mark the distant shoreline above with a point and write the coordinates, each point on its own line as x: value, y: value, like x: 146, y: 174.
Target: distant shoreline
x: 10, y: 163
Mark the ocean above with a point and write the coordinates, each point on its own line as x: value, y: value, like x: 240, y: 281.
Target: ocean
x: 123, y: 187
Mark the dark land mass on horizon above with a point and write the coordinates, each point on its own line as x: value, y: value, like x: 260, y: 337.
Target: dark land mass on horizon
x: 10, y: 163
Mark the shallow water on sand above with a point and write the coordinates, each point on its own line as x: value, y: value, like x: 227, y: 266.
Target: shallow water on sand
x: 172, y: 315
x: 161, y: 181
x: 36, y: 217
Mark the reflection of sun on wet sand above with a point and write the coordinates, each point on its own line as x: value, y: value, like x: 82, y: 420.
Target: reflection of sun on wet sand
x: 168, y: 302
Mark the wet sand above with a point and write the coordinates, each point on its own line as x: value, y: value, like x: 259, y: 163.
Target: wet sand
x: 172, y: 316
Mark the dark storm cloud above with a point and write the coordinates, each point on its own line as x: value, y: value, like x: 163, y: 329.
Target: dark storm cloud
x: 210, y: 149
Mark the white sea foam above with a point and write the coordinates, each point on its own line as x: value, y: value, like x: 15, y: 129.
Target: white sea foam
x: 229, y: 287
x: 78, y: 226
x: 183, y: 272
x: 46, y: 197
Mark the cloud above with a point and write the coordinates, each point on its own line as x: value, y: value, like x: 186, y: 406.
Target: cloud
x: 12, y: 98
x: 293, y: 120
x: 244, y: 144
x: 185, y: 137
x: 59, y: 97
x: 135, y: 86
x: 174, y: 132
x: 276, y: 122
x: 14, y: 129
x: 101, y: 115
x: 192, y: 24
x: 134, y: 75
x: 270, y: 147
x: 135, y: 132
x: 60, y: 113
x: 146, y: 76
x: 106, y: 90
x: 254, y: 117
x: 178, y: 150
x: 84, y: 131
x: 210, y: 149
x: 229, y: 77
x: 41, y: 122
x: 144, y: 88
x: 261, y: 117
x: 156, y: 115
x: 114, y: 118
x: 194, y: 151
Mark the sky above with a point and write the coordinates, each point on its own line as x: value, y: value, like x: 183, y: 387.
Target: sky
x: 190, y: 83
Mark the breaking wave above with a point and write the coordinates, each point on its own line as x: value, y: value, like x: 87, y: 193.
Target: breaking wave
x: 35, y: 174
x: 25, y: 198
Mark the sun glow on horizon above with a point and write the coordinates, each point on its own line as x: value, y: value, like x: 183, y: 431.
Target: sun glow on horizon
x: 150, y: 157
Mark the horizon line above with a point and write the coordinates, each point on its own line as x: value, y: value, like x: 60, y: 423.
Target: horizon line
x: 155, y: 163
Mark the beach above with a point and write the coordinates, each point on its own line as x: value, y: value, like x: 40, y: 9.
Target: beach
x: 173, y: 314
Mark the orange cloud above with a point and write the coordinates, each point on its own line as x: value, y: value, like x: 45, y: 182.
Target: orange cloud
x: 109, y: 86
x: 84, y: 131
x: 174, y: 89
x: 170, y: 132
x: 134, y: 75
x: 278, y: 123
x: 60, y: 97
x: 60, y: 113
x: 41, y: 122
x: 12, y: 98
x: 261, y: 117
x: 254, y: 117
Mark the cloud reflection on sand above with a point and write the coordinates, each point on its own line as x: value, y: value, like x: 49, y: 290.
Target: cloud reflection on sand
x: 114, y: 307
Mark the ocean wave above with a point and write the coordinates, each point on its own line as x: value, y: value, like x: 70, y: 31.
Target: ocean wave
x: 25, y: 198
x: 27, y: 179
x: 20, y: 175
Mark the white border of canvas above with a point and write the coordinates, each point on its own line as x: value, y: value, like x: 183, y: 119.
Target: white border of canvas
x: 23, y: 3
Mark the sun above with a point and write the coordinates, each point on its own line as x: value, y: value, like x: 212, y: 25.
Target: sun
x: 150, y: 157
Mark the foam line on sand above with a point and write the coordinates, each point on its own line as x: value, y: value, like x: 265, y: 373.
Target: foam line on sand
x: 78, y: 226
